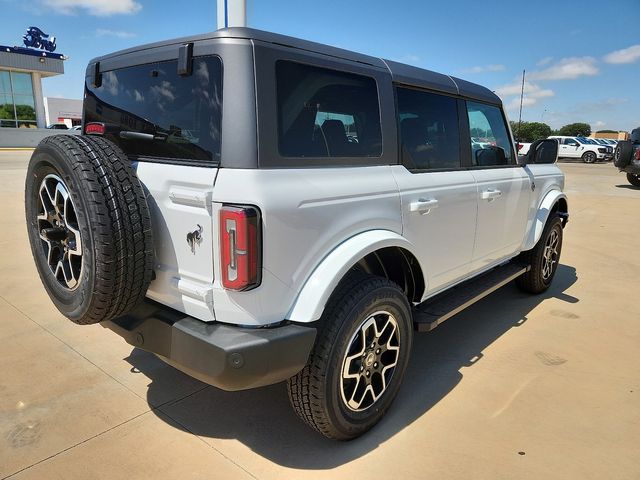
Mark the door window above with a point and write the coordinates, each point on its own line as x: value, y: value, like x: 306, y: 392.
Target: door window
x: 429, y: 133
x: 326, y: 113
x: 490, y: 141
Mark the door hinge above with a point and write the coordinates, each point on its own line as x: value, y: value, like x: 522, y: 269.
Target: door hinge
x: 533, y: 185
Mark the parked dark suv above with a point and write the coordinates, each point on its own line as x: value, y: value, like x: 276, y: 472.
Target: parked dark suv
x: 627, y: 157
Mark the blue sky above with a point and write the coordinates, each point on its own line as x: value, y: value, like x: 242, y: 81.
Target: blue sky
x: 582, y: 62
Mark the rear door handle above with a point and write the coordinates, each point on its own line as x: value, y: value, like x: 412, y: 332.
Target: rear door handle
x: 423, y: 206
x: 491, y: 194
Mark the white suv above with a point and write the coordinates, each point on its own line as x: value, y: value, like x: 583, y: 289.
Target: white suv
x: 583, y: 148
x: 255, y: 208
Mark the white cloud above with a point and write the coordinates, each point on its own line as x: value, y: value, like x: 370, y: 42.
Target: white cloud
x: 105, y: 32
x: 485, y: 68
x: 532, y: 94
x: 599, y: 124
x: 626, y: 55
x: 514, y: 104
x: 567, y: 69
x: 544, y: 61
x: 94, y: 7
x: 530, y: 90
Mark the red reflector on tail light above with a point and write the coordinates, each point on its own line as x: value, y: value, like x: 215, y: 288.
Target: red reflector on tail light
x: 240, y: 247
x: 94, y: 129
x: 637, y: 154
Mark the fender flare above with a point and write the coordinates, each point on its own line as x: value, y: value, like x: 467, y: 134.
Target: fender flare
x: 313, y: 296
x: 542, y: 214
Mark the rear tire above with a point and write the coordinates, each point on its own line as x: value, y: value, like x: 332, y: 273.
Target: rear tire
x: 634, y: 179
x: 589, y: 157
x: 89, y: 227
x: 358, y: 362
x: 543, y: 258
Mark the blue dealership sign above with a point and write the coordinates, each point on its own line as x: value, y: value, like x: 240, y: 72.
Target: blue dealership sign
x: 36, y: 38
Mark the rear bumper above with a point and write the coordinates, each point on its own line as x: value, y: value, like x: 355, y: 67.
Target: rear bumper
x: 227, y: 357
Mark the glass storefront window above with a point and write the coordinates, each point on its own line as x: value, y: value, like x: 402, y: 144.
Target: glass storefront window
x: 21, y: 83
x: 7, y: 111
x: 25, y: 107
x: 17, y: 104
x: 5, y: 83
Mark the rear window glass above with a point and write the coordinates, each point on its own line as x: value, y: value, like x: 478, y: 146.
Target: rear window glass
x: 326, y: 113
x: 179, y: 117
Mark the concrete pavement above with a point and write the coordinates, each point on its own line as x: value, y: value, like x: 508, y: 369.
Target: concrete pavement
x: 517, y: 386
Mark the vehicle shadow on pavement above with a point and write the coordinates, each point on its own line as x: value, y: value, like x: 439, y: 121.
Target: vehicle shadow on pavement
x: 262, y: 419
x: 628, y: 187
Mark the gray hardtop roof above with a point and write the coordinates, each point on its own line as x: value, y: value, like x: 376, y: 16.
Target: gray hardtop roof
x: 401, y: 73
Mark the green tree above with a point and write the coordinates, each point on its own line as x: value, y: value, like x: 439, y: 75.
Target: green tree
x: 607, y: 131
x: 576, y: 130
x: 530, y: 131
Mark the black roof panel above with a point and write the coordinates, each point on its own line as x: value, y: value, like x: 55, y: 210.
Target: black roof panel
x: 401, y: 73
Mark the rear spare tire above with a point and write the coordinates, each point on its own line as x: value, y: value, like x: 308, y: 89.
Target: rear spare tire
x: 89, y: 227
x: 623, y: 153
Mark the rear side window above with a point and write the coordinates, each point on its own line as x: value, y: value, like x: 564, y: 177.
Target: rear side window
x: 151, y: 111
x: 326, y: 113
x: 429, y: 132
x: 490, y: 144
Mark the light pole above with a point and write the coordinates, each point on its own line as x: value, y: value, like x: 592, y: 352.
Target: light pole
x: 232, y: 13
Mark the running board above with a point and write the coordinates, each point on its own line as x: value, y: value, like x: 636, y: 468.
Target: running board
x: 431, y: 313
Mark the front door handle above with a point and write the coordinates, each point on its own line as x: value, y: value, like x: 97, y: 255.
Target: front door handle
x: 423, y: 206
x: 491, y: 194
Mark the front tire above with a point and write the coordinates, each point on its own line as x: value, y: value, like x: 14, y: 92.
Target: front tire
x: 543, y: 258
x: 589, y: 157
x: 634, y: 179
x: 359, y: 359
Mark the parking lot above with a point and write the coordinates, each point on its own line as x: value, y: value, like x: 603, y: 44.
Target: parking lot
x: 516, y: 386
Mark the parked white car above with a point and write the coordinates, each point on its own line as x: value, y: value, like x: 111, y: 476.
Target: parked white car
x: 583, y: 148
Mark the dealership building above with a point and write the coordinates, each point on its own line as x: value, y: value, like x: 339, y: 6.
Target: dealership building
x: 22, y: 104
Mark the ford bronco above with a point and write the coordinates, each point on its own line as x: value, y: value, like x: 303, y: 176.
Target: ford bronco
x: 255, y: 208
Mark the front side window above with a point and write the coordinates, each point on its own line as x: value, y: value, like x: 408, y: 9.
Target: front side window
x: 151, y: 111
x: 429, y: 132
x: 490, y: 143
x: 326, y: 113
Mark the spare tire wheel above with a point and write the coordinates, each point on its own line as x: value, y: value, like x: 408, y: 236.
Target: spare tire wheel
x: 89, y: 227
x: 623, y: 153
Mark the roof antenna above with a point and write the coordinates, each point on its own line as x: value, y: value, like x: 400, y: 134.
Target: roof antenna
x: 521, y: 99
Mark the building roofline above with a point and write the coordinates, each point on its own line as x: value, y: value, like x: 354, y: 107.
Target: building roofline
x: 32, y: 52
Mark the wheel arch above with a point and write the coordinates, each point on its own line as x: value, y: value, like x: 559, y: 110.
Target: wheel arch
x: 554, y: 201
x: 379, y: 252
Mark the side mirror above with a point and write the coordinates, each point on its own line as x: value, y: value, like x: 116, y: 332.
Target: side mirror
x: 541, y: 151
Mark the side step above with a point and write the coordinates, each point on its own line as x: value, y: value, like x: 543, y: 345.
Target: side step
x: 431, y: 313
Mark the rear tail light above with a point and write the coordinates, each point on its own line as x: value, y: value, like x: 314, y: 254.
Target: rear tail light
x: 94, y: 129
x: 240, y: 247
x: 637, y: 154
